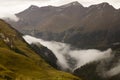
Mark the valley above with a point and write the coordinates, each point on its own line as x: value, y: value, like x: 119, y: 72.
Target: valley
x: 64, y: 42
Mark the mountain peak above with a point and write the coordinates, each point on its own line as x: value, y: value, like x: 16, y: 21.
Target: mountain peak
x: 33, y: 7
x: 75, y: 3
x: 104, y: 4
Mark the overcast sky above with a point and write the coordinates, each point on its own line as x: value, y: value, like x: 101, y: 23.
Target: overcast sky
x: 10, y: 7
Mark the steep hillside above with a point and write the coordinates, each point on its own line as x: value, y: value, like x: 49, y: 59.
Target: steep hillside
x: 19, y: 62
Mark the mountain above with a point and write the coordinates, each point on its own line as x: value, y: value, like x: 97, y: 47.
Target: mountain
x: 93, y: 27
x: 34, y: 17
x: 96, y: 26
x: 18, y: 61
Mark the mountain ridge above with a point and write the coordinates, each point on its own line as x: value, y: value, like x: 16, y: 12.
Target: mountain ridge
x: 74, y: 24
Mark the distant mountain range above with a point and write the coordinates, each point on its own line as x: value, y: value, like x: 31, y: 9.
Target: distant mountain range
x: 96, y: 26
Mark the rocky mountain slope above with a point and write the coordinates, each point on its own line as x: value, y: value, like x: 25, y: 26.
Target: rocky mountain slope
x: 96, y: 26
x: 19, y: 62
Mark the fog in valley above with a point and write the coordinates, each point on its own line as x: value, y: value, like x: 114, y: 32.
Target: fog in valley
x: 71, y: 59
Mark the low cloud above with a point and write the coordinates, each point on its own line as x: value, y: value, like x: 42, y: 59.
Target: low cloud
x: 10, y: 17
x: 114, y: 71
x: 71, y: 59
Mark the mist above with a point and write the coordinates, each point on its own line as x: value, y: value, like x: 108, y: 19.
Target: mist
x: 72, y: 59
x: 9, y: 17
x: 114, y: 71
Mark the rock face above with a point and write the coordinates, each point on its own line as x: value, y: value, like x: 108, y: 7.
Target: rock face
x: 46, y: 54
x: 18, y: 61
x: 96, y: 26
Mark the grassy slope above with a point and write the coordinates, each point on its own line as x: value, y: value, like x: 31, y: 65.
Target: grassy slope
x: 19, y: 62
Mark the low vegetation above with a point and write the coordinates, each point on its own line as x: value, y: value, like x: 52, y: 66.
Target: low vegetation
x: 19, y: 62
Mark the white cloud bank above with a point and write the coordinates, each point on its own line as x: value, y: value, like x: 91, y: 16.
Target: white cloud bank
x: 70, y: 58
x: 114, y: 71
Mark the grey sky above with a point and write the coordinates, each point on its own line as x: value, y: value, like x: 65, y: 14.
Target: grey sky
x: 10, y: 7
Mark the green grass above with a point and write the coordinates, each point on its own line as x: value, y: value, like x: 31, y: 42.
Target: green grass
x: 20, y: 62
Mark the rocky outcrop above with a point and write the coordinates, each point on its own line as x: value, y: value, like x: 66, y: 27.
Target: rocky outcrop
x: 46, y: 54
